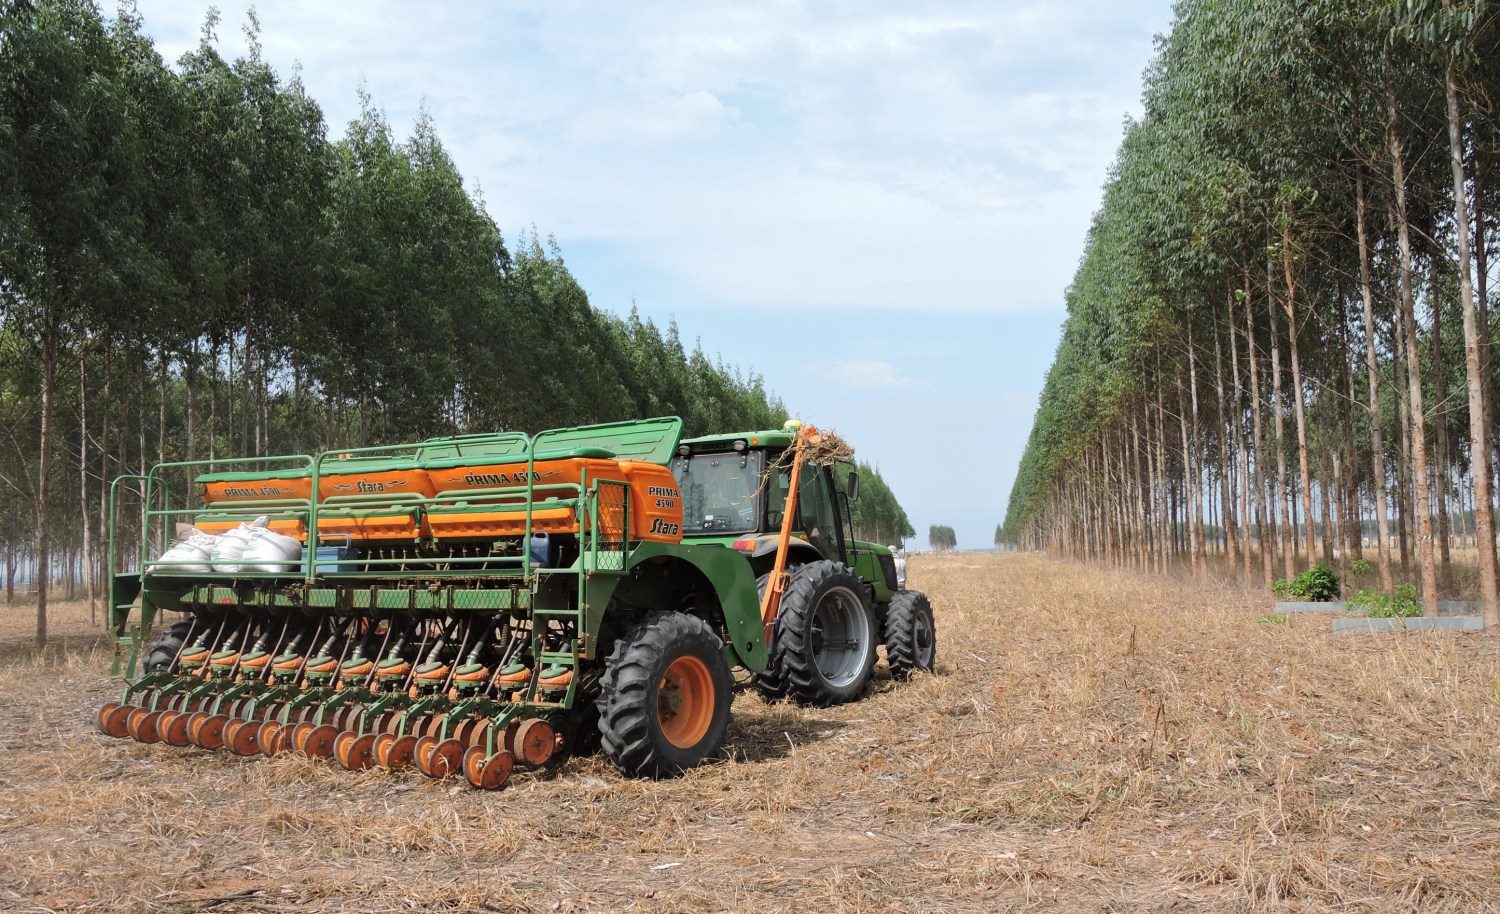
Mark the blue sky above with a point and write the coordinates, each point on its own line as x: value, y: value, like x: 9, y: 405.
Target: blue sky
x: 877, y: 206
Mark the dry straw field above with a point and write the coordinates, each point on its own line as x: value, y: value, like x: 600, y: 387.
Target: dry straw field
x: 1092, y: 742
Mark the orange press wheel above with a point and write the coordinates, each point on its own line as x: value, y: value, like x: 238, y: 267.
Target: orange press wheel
x: 381, y: 748
x: 362, y: 752
x: 269, y: 737
x: 319, y: 742
x: 284, y: 742
x: 173, y: 727
x: 211, y: 732
x: 401, y: 751
x: 146, y: 730
x: 446, y: 759
x: 473, y: 764
x: 300, y: 734
x: 341, y: 744
x: 133, y: 722
x: 243, y: 737
x: 495, y: 771
x: 195, y: 721
x: 535, y: 741
x: 465, y: 731
x: 112, y: 720
x: 422, y: 752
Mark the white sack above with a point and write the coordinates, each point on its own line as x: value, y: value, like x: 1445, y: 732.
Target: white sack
x: 272, y: 553
x: 230, y: 548
x: 195, y: 549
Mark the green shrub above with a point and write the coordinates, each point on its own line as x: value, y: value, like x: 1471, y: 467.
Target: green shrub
x: 1317, y: 584
x: 1359, y: 566
x: 1404, y: 601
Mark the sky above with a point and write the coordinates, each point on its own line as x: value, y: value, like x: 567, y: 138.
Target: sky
x: 876, y: 206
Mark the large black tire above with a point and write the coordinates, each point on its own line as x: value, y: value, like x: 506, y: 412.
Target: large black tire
x: 825, y: 634
x: 910, y: 635
x: 162, y: 653
x: 771, y: 682
x: 637, y: 713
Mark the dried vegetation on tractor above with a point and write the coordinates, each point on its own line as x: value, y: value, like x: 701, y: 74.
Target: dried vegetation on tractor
x: 1091, y: 740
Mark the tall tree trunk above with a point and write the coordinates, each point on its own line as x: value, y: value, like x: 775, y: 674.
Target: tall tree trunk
x: 1479, y: 438
x: 1286, y: 527
x: 12, y: 553
x: 1403, y: 459
x: 83, y: 487
x: 1189, y: 488
x: 1265, y: 525
x: 1421, y: 497
x: 44, y: 478
x: 1377, y: 449
x: 1237, y: 412
x: 1297, y: 390
x: 1227, y: 518
x: 1441, y: 530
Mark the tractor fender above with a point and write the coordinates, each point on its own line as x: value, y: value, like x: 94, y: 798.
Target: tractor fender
x: 799, y: 550
x: 724, y: 571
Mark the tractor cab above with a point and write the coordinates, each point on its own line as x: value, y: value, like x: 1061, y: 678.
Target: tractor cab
x: 734, y: 490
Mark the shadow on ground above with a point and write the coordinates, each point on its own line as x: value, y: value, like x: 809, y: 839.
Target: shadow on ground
x: 758, y: 738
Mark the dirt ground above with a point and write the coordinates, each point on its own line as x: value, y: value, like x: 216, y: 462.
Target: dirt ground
x: 1092, y: 741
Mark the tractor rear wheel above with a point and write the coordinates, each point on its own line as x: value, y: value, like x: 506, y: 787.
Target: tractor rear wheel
x: 664, y: 698
x: 910, y: 635
x: 824, y: 649
x: 164, y: 650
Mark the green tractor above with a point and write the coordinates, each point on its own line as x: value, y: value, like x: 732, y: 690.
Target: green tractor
x: 843, y: 597
x: 470, y: 604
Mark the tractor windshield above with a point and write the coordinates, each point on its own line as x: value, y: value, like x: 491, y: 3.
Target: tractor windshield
x: 720, y: 492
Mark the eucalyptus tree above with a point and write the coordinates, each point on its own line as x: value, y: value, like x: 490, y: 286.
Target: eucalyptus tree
x: 1305, y: 197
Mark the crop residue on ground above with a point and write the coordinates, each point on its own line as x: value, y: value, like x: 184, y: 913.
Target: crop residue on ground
x: 1092, y: 741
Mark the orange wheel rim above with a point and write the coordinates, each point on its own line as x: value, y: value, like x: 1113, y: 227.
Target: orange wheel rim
x: 685, y: 702
x: 112, y: 720
x: 243, y: 741
x: 495, y: 771
x: 381, y: 749
x: 474, y: 765
x: 211, y: 734
x: 361, y: 752
x: 445, y: 759
x: 269, y: 737
x: 146, y: 730
x: 175, y: 731
x: 320, y: 741
x: 399, y: 753
x: 341, y: 745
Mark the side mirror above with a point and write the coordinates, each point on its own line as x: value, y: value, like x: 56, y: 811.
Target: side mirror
x: 853, y: 486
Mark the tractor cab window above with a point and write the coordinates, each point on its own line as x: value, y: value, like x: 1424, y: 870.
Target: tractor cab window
x: 816, y: 512
x: 720, y: 492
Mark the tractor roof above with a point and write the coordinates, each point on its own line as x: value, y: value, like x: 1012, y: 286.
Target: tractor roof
x: 770, y: 438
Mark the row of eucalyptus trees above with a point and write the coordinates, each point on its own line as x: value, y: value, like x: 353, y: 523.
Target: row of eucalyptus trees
x: 1277, y: 349
x: 191, y: 268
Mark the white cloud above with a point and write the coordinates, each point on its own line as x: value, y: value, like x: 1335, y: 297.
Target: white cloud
x: 864, y: 374
x: 943, y: 155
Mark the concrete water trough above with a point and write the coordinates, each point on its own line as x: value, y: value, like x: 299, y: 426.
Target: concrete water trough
x: 1410, y: 624
x: 1445, y: 607
x: 1291, y: 606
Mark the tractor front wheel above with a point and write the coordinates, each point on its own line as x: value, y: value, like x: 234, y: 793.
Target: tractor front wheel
x: 664, y: 698
x: 824, y: 648
x: 910, y: 635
